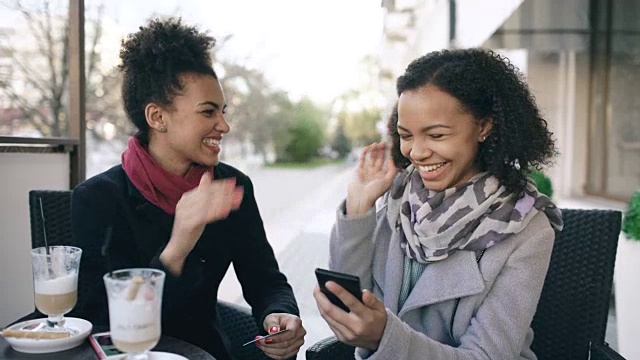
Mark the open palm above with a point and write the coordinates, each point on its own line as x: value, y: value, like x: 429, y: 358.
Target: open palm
x: 372, y: 178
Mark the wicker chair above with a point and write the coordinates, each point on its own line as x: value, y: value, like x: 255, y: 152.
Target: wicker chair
x: 56, y: 210
x: 239, y: 325
x: 235, y: 321
x: 571, y: 318
x: 56, y: 206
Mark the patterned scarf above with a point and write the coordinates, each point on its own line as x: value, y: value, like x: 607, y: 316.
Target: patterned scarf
x: 473, y: 216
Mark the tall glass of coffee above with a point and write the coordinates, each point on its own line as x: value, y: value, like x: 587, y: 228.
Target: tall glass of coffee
x: 55, y: 283
x: 135, y: 302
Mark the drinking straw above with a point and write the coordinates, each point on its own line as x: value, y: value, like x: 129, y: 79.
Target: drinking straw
x: 46, y: 243
x: 44, y: 227
x: 134, y: 287
x: 105, y: 248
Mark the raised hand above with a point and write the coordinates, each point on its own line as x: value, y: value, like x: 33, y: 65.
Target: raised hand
x: 212, y: 200
x: 372, y: 178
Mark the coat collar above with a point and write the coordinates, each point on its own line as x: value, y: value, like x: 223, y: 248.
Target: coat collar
x: 155, y: 222
x: 140, y: 204
x: 454, y: 277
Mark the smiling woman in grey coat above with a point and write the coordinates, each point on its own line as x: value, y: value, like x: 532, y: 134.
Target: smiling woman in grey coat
x: 450, y: 237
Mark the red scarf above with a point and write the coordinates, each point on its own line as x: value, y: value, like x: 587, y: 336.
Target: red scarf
x: 157, y: 185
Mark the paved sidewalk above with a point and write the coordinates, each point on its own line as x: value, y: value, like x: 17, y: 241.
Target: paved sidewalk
x: 298, y: 208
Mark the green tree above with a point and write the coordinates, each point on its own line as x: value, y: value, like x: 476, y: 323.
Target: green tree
x: 361, y: 108
x: 341, y: 143
x: 360, y: 126
x: 252, y: 104
x: 280, y: 121
x: 306, y: 134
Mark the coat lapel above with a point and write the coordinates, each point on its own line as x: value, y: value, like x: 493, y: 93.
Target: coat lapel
x: 455, y: 277
x: 152, y: 226
x: 393, y: 270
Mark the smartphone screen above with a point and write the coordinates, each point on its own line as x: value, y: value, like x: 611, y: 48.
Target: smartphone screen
x: 350, y: 282
x: 103, y: 346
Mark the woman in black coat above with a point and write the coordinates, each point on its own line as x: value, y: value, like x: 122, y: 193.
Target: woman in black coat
x: 173, y: 206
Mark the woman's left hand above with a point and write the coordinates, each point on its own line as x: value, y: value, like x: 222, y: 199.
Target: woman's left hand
x: 287, y: 344
x: 363, y: 326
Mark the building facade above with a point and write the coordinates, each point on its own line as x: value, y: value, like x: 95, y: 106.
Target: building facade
x: 581, y: 59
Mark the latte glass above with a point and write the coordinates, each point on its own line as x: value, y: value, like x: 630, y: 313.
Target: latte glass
x: 55, y: 283
x: 135, y: 301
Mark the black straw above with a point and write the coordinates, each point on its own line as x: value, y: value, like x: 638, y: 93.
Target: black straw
x: 106, y: 247
x: 44, y: 228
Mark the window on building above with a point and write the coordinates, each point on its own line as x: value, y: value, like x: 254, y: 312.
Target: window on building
x: 615, y: 128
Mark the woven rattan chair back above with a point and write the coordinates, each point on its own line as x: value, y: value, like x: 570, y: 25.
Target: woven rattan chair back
x: 574, y: 305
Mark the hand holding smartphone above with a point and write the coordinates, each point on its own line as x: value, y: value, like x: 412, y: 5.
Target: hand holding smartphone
x: 350, y: 282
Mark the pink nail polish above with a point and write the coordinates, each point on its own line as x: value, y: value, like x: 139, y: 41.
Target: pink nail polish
x: 273, y: 329
x: 268, y: 341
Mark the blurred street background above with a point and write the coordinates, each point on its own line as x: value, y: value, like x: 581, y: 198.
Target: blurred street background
x: 308, y: 83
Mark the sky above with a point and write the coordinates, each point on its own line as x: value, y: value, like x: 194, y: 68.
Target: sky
x: 305, y: 47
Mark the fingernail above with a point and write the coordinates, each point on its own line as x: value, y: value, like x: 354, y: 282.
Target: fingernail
x: 268, y: 341
x: 273, y: 329
x: 257, y: 342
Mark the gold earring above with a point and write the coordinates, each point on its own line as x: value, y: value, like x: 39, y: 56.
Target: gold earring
x: 162, y: 129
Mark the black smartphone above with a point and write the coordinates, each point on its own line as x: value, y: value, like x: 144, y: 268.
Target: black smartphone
x: 350, y: 282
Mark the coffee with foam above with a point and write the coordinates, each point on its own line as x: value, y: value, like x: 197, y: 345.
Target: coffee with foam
x: 56, y: 296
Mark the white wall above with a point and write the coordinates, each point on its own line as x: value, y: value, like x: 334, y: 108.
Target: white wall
x: 432, y: 34
x: 477, y: 20
x: 22, y: 172
x: 429, y: 32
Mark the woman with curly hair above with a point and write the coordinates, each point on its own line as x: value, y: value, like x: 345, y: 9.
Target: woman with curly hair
x: 454, y: 255
x: 172, y: 205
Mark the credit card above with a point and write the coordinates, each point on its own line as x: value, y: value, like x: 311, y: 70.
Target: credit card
x: 264, y: 337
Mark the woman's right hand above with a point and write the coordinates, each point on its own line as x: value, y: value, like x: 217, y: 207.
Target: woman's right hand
x: 372, y: 178
x: 212, y: 200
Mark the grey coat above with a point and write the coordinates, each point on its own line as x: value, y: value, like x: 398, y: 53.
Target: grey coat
x: 498, y: 296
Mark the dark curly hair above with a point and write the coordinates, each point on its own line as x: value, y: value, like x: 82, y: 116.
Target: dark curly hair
x: 488, y: 86
x: 153, y: 60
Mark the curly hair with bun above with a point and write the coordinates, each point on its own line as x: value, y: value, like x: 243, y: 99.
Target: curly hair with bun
x: 153, y: 60
x: 488, y: 86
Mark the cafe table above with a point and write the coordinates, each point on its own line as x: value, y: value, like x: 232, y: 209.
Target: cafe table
x: 85, y: 351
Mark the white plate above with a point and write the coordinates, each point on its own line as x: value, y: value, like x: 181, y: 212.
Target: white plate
x: 154, y: 355
x: 41, y: 346
x: 160, y: 355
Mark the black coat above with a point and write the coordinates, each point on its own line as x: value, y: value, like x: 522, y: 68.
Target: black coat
x: 141, y: 230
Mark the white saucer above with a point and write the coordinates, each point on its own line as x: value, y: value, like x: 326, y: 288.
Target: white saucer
x: 161, y: 355
x: 153, y: 355
x: 41, y: 346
